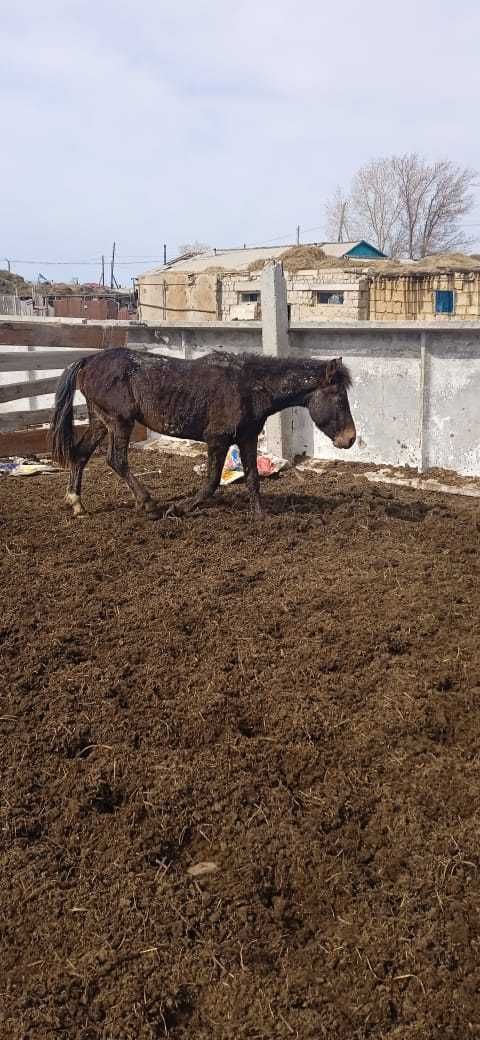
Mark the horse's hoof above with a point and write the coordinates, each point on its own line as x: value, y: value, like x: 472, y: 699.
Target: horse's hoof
x: 171, y: 512
x: 150, y: 507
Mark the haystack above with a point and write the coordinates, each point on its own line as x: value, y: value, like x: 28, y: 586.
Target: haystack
x: 301, y: 258
x: 438, y: 263
x: 305, y: 258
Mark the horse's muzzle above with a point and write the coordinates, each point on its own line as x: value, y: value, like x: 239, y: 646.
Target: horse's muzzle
x: 346, y: 438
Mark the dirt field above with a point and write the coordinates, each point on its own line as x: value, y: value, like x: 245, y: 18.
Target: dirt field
x: 295, y: 702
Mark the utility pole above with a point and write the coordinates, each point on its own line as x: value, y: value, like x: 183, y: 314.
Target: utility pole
x: 112, y: 264
x: 8, y: 264
x: 342, y: 224
x: 164, y: 253
x: 298, y: 234
x: 102, y: 280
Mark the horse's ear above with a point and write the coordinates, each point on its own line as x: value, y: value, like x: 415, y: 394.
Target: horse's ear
x: 331, y: 370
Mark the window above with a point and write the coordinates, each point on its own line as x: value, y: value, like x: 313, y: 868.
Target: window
x: 329, y: 297
x: 444, y: 301
x: 249, y: 297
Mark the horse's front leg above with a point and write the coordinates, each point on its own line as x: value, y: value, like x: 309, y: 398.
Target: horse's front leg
x: 248, y: 455
x: 217, y: 454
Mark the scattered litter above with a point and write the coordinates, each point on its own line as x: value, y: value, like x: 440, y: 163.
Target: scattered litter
x: 19, y: 467
x: 232, y: 469
x: 173, y: 446
x: 267, y: 465
x: 200, y: 869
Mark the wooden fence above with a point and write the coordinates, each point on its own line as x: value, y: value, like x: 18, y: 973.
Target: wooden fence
x: 61, y: 342
x: 10, y: 304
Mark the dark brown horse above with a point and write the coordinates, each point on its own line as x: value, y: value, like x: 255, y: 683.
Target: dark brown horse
x: 221, y: 399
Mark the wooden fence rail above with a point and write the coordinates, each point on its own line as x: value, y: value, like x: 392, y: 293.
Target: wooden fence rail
x: 62, y: 342
x: 18, y: 361
x: 21, y: 420
x: 17, y: 391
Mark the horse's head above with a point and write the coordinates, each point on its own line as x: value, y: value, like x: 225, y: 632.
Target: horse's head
x: 329, y: 407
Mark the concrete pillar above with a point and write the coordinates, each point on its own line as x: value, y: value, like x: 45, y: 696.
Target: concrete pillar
x: 423, y: 417
x: 275, y: 343
x: 275, y: 339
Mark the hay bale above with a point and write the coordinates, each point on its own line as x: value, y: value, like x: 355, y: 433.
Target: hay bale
x: 438, y: 263
x: 308, y: 258
x: 257, y: 265
x: 301, y: 258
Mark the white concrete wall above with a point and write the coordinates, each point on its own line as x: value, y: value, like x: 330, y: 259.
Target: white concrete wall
x: 415, y: 396
x: 416, y: 385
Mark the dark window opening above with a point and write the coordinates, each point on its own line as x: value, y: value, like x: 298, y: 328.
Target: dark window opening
x: 444, y: 301
x: 329, y: 297
x: 249, y: 297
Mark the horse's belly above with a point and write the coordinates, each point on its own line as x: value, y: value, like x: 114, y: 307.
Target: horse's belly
x: 183, y: 427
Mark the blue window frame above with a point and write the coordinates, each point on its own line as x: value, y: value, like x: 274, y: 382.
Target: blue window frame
x: 444, y: 301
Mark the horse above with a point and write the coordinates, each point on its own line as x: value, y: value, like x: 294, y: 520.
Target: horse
x: 221, y: 399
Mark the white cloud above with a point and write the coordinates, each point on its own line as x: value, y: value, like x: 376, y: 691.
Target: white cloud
x: 227, y: 123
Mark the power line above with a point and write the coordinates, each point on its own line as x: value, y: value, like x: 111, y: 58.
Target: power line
x: 87, y: 263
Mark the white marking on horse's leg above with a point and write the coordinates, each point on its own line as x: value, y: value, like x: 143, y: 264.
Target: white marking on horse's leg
x: 74, y: 500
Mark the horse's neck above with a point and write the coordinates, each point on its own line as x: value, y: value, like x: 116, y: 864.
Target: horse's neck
x: 291, y: 387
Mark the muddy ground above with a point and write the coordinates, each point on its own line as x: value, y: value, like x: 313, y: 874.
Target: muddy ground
x: 295, y: 702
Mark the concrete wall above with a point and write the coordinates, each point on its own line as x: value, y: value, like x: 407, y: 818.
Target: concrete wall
x: 413, y: 297
x: 416, y: 385
x: 179, y: 296
x: 415, y: 395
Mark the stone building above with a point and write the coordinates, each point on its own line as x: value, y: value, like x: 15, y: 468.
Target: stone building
x: 329, y: 294
x: 325, y: 282
x: 329, y: 282
x: 442, y: 288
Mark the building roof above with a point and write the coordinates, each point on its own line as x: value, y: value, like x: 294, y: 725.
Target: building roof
x: 227, y: 259
x: 341, y: 249
x: 242, y: 258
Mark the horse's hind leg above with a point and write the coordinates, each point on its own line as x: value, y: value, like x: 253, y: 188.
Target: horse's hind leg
x: 117, y: 458
x: 84, y: 449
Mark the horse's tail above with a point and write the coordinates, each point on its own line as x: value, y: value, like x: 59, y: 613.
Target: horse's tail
x: 63, y: 447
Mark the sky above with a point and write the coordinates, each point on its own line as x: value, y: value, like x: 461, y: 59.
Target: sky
x: 155, y: 122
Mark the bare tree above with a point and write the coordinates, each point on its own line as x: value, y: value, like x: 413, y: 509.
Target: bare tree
x: 406, y: 206
x: 192, y: 248
x: 434, y: 197
x: 376, y: 206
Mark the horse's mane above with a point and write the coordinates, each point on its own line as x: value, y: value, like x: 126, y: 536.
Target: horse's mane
x: 261, y: 364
